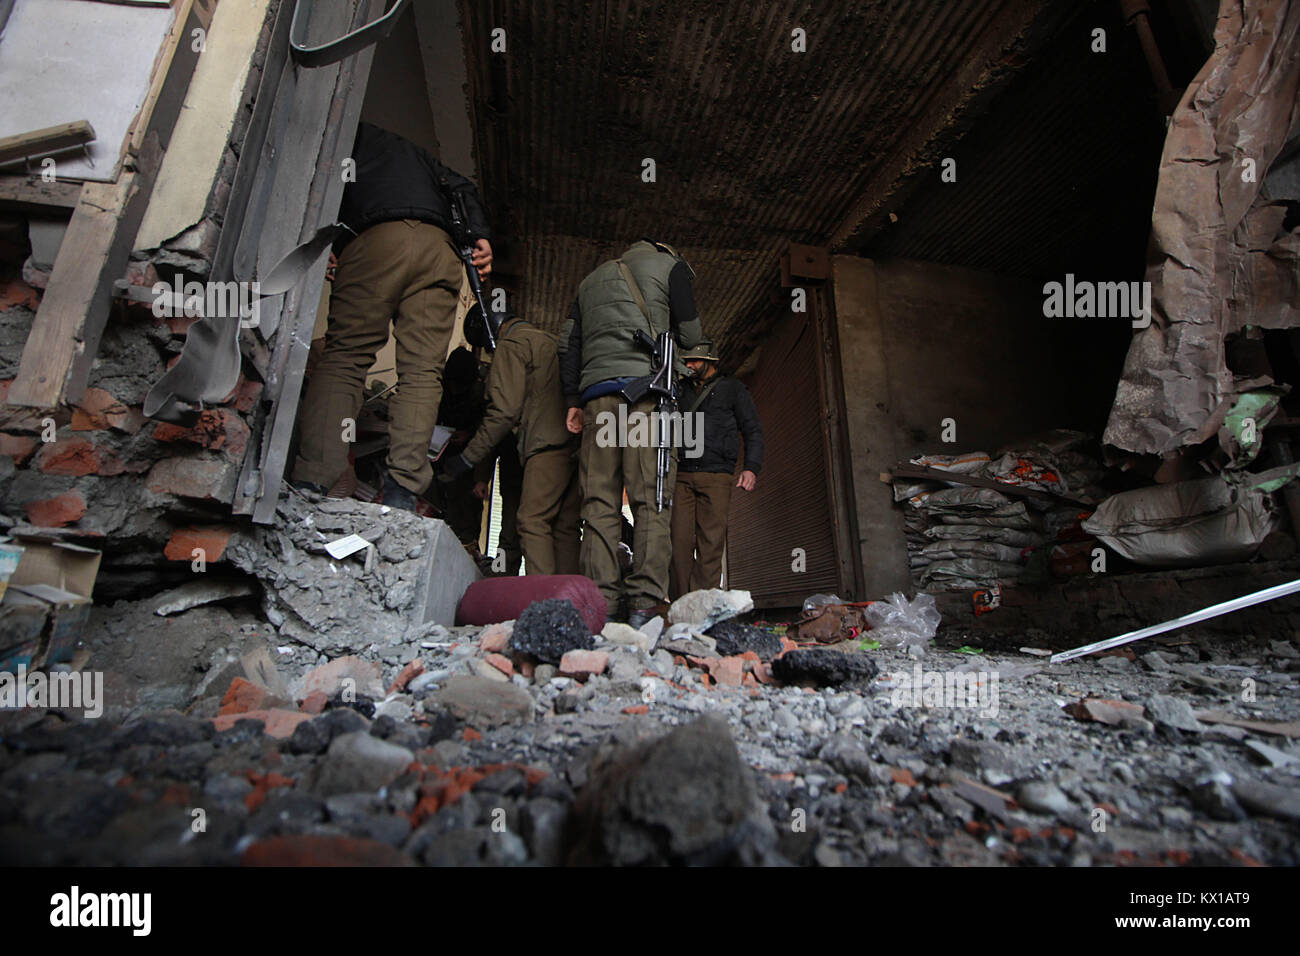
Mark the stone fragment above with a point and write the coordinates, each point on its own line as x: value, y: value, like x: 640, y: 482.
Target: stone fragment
x: 684, y: 798
x: 548, y: 629
x: 357, y: 762
x: 348, y: 674
x: 709, y: 606
x: 617, y: 633
x: 1040, y: 796
x: 824, y: 667
x: 732, y: 638
x: 1166, y: 711
x: 485, y: 703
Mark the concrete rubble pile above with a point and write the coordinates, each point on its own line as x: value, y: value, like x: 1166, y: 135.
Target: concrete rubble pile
x: 707, y: 740
x: 406, y: 572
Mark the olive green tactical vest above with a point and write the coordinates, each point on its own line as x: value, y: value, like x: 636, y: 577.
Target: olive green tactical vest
x: 610, y: 314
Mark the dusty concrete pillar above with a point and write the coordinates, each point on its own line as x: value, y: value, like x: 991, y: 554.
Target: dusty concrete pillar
x: 867, y: 408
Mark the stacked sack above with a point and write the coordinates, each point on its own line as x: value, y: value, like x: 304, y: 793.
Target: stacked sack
x: 961, y: 537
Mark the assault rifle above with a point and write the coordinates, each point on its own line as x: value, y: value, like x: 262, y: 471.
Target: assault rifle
x: 661, y: 382
x: 465, y: 248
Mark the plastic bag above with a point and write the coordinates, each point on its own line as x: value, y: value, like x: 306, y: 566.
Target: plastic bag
x: 897, y: 622
x: 817, y: 600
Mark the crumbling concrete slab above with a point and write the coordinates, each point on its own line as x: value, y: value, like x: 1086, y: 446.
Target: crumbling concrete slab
x: 414, y: 574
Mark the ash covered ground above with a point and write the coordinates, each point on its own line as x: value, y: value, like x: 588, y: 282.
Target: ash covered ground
x: 222, y: 744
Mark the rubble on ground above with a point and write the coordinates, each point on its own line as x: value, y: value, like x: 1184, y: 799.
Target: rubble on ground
x: 399, y: 753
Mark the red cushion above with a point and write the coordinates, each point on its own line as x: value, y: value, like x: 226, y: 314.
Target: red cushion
x: 491, y: 600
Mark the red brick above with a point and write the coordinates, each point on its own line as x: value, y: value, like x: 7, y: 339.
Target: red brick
x: 727, y: 671
x: 583, y: 664
x: 493, y: 640
x: 303, y: 850
x: 180, y: 324
x: 244, y: 395
x: 1103, y: 711
x: 244, y: 696
x: 314, y: 703
x: 501, y: 663
x: 97, y: 410
x: 18, y: 447
x: 902, y: 776
x: 279, y: 723
x: 56, y: 512
x: 211, y: 540
x: 637, y: 709
x: 409, y: 673
x: 217, y: 428
x: 74, y: 457
x: 15, y: 293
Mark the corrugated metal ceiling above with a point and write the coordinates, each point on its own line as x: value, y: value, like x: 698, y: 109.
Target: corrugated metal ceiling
x: 755, y: 145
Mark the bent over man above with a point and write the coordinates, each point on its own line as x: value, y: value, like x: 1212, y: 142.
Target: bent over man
x: 649, y: 288
x: 524, y: 395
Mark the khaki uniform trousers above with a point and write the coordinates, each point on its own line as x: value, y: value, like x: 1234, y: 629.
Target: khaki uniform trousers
x: 549, y: 511
x: 408, y: 272
x: 606, y: 468
x: 700, y: 505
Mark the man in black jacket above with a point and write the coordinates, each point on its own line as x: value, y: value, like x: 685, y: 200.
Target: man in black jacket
x: 400, y: 266
x: 704, y: 484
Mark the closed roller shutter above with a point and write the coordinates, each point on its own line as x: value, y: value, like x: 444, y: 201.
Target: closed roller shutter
x: 791, y: 507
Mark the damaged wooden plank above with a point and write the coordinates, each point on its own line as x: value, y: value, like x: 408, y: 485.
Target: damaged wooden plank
x: 51, y: 139
x: 26, y: 194
x: 66, y: 331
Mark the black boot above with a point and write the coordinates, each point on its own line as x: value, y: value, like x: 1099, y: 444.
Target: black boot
x: 395, y: 496
x: 642, y: 617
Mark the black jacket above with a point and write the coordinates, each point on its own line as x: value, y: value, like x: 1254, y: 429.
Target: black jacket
x: 398, y: 180
x: 729, y: 412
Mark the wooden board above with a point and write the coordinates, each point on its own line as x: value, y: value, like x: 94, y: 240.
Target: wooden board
x: 36, y: 195
x: 65, y: 334
x: 65, y: 60
x: 51, y: 139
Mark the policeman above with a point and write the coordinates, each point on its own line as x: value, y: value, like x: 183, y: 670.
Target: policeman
x: 649, y: 288
x: 524, y: 396
x: 401, y: 267
x: 725, y: 411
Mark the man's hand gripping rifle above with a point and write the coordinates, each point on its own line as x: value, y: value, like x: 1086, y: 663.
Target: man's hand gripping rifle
x: 465, y: 248
x: 661, y: 382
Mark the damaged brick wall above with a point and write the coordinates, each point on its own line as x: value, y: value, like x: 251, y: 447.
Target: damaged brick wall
x: 100, y: 469
x: 148, y: 493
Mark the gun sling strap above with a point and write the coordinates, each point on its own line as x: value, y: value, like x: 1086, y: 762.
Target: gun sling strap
x: 699, y: 399
x: 636, y: 294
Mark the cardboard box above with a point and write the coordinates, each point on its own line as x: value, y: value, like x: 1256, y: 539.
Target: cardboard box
x: 10, y: 553
x: 45, y: 609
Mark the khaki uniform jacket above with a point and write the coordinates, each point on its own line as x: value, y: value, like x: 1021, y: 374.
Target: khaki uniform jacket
x: 523, y: 395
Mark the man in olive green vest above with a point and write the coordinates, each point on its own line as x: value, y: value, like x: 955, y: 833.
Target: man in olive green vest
x: 648, y: 289
x: 524, y: 396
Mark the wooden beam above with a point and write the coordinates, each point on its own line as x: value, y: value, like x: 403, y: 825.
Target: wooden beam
x: 70, y: 321
x: 36, y: 195
x: 51, y: 139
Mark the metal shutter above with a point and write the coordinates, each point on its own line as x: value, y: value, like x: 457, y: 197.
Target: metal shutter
x: 791, y: 507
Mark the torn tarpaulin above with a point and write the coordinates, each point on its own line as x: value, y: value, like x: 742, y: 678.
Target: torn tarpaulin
x: 1220, y: 258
